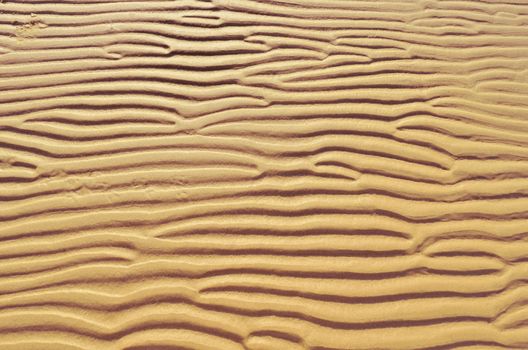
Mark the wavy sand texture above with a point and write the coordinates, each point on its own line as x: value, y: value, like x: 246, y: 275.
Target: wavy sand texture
x: 263, y: 174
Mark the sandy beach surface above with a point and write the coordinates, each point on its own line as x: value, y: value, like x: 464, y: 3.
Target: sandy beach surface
x: 263, y: 175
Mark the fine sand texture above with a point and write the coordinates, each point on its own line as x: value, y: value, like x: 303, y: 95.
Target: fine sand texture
x: 263, y: 174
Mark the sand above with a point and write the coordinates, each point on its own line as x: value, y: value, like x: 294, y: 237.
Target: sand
x: 263, y: 174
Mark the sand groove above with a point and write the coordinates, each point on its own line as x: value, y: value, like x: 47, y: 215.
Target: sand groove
x: 263, y: 175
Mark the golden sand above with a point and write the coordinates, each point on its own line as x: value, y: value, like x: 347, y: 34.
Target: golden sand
x: 263, y: 175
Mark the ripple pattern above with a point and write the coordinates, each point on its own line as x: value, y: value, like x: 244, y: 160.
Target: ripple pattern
x: 263, y: 174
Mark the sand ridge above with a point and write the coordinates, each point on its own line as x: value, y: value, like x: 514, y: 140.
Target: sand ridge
x: 263, y: 175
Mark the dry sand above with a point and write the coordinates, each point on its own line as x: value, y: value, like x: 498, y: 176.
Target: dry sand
x: 263, y: 174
